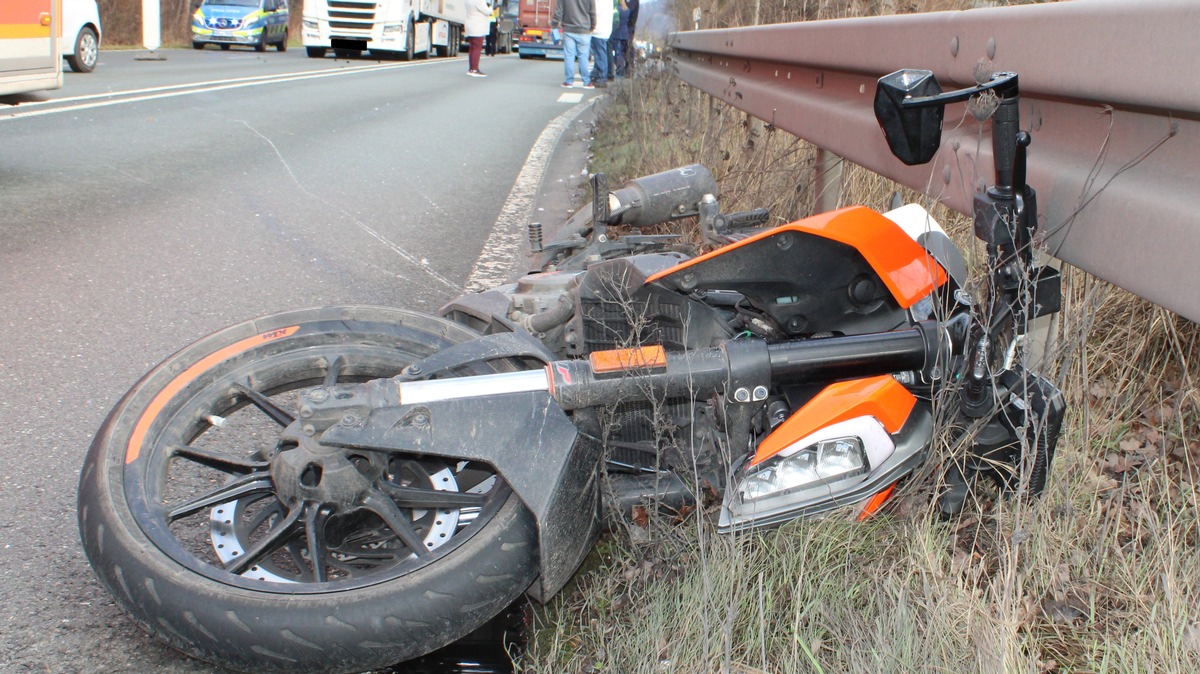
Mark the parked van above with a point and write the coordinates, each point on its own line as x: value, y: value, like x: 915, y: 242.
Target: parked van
x: 250, y: 23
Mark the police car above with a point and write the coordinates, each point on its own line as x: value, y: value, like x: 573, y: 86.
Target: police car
x: 250, y: 23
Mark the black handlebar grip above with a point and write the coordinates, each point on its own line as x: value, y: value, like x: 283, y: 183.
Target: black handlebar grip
x: 1006, y: 123
x: 746, y: 219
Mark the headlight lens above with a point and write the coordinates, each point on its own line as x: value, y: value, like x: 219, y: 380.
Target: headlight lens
x: 821, y: 463
x: 311, y: 25
x: 393, y: 29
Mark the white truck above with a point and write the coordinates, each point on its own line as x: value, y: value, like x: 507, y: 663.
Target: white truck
x: 404, y: 28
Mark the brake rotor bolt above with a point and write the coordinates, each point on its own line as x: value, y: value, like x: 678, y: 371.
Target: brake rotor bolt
x: 308, y: 429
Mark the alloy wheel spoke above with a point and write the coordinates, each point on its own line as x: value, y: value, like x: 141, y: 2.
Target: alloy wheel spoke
x: 246, y: 485
x: 315, y: 517
x: 373, y: 556
x: 218, y: 461
x: 268, y: 406
x: 413, y: 497
x: 366, y: 542
x: 415, y: 468
x: 378, y: 503
x: 276, y: 537
x: 256, y: 520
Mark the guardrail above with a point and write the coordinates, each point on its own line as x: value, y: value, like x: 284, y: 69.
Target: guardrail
x: 1110, y: 91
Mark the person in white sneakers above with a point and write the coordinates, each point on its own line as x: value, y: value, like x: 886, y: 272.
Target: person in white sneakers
x: 479, y: 15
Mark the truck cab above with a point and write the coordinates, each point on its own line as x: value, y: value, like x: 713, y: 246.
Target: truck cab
x: 406, y: 29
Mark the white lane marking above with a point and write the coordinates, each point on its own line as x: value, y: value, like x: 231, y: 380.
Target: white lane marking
x: 170, y: 91
x: 504, y: 244
x: 170, y: 87
x: 570, y: 98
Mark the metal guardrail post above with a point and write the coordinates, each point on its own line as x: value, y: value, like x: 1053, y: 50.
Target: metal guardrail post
x: 827, y: 179
x: 1109, y: 89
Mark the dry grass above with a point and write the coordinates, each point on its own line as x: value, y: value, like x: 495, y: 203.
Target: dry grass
x: 1098, y: 575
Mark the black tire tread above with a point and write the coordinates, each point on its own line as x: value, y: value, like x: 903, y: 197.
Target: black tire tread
x: 76, y: 60
x: 342, y: 631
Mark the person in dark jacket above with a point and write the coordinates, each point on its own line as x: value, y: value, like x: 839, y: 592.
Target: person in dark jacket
x: 576, y: 19
x: 622, y: 38
x: 489, y: 44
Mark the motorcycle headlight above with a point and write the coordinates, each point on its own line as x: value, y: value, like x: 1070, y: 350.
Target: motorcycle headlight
x: 821, y: 463
x: 837, y: 464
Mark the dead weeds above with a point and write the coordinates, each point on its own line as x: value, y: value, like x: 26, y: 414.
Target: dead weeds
x: 1098, y: 575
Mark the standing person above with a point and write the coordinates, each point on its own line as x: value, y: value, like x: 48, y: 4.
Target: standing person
x: 620, y: 40
x: 478, y: 13
x: 576, y: 19
x: 606, y: 12
x: 630, y: 47
x: 489, y: 46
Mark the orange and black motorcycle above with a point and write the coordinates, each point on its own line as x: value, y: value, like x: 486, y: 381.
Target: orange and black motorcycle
x: 337, y: 489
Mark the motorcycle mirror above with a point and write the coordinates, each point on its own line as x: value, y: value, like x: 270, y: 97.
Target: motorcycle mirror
x: 913, y: 132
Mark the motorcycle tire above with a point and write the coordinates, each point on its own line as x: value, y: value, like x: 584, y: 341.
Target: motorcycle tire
x: 183, y: 484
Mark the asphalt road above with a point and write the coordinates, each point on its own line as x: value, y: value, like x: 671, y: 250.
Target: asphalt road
x: 154, y: 201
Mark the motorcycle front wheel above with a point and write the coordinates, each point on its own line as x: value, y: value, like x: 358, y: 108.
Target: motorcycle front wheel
x: 219, y: 523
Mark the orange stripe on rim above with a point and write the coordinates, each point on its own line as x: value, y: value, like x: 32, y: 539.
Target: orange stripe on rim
x: 188, y: 376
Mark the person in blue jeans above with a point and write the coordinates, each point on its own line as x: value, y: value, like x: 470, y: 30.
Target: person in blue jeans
x: 576, y: 19
x: 606, y: 13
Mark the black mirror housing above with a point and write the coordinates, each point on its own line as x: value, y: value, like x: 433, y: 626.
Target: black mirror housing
x: 913, y: 133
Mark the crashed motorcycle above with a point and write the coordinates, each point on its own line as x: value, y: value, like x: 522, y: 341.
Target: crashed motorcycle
x: 336, y: 489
